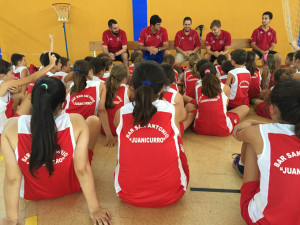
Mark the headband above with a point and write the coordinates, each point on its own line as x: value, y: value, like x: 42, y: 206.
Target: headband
x: 207, y: 71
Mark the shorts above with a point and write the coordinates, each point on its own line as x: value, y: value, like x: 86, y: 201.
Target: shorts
x: 91, y: 153
x: 183, y: 160
x: 119, y: 58
x: 234, y: 117
x: 181, y: 57
x: 16, y: 115
x: 212, y: 58
x: 158, y: 57
x: 260, y: 55
x: 263, y: 109
x: 248, y: 191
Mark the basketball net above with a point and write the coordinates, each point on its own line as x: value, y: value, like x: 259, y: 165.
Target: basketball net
x: 291, y: 14
x: 62, y: 10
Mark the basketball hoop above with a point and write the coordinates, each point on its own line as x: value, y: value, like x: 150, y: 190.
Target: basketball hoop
x: 62, y: 10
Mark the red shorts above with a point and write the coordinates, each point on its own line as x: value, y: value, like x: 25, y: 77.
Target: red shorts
x: 16, y: 115
x: 263, y: 109
x: 234, y: 117
x: 248, y: 191
x: 183, y: 160
x: 91, y: 153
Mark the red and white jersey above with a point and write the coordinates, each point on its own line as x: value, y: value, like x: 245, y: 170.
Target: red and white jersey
x: 219, y: 71
x: 149, y: 172
x: 17, y: 72
x: 31, y: 85
x: 174, y: 87
x: 270, y: 80
x: 6, y: 108
x: 85, y: 102
x: 240, y: 87
x: 130, y: 69
x: 190, y: 83
x: 223, y: 78
x: 254, y: 89
x: 277, y: 197
x: 120, y: 100
x: 61, y: 75
x: 63, y: 180
x: 105, y: 76
x: 95, y: 78
x: 169, y: 94
x: 211, y: 117
x: 176, y: 76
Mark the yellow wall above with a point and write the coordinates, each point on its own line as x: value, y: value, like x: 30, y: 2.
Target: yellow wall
x: 239, y: 17
x: 24, y: 25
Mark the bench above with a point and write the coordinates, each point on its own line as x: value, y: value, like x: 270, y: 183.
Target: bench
x: 132, y: 45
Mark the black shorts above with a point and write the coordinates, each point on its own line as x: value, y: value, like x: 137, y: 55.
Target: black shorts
x: 119, y: 58
x: 212, y: 58
x: 260, y: 55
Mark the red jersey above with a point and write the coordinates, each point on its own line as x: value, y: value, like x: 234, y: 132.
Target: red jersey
x: 114, y: 43
x: 85, y: 102
x: 270, y: 80
x: 254, y: 88
x: 61, y: 75
x: 31, y: 85
x: 277, y: 198
x: 150, y: 172
x: 240, y: 87
x: 263, y: 39
x: 190, y: 83
x: 17, y: 72
x: 6, y: 108
x: 169, y: 94
x: 211, y: 117
x: 218, y: 44
x: 188, y: 41
x: 176, y: 76
x: 105, y: 76
x: 63, y: 179
x: 150, y: 39
x: 130, y: 69
x: 120, y: 100
x: 219, y: 71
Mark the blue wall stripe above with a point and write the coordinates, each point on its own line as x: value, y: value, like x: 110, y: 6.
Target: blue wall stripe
x: 0, y: 54
x: 139, y: 12
x: 299, y: 38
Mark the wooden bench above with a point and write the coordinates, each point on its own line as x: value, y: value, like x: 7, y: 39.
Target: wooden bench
x: 132, y: 45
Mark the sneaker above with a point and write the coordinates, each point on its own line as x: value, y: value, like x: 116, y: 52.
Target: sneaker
x: 235, y: 164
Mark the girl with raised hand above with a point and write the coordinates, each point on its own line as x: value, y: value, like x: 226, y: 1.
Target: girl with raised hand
x: 212, y: 98
x: 87, y: 97
x: 118, y: 93
x: 7, y: 83
x: 48, y: 152
x: 270, y: 191
x: 152, y: 169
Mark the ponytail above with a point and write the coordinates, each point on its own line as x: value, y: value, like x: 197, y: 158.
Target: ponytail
x: 148, y: 79
x: 81, y: 72
x: 192, y: 60
x: 250, y: 62
x: 211, y: 85
x: 144, y: 109
x: 47, y: 95
x: 113, y: 83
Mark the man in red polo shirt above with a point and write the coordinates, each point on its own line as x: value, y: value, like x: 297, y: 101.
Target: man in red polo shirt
x: 217, y: 42
x: 153, y: 40
x: 114, y: 43
x: 263, y: 40
x: 187, y: 41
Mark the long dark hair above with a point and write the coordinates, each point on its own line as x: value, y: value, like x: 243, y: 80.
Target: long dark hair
x: 211, y: 86
x: 47, y: 94
x: 113, y: 83
x: 148, y: 79
x: 250, y: 62
x: 81, y: 72
x: 286, y: 96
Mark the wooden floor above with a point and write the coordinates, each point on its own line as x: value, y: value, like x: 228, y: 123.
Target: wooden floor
x: 210, y: 164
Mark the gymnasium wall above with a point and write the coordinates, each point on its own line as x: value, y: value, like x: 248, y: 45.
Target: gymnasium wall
x: 24, y: 25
